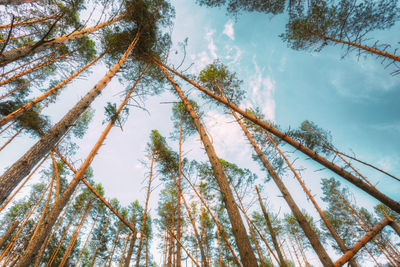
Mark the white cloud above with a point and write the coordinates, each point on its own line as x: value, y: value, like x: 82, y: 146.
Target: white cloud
x: 262, y: 92
x: 233, y: 53
x: 211, y: 46
x: 228, y: 30
x: 224, y: 131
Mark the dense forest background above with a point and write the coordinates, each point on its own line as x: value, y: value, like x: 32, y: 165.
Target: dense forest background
x: 272, y: 59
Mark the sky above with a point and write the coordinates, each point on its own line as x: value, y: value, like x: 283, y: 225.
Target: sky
x: 355, y: 98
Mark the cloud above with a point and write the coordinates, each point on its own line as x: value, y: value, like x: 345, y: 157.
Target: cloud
x: 233, y: 54
x: 228, y: 30
x: 224, y: 131
x: 262, y: 92
x: 211, y: 46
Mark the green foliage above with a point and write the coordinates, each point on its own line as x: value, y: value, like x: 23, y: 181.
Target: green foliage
x: 188, y: 127
x: 216, y: 77
x: 235, y: 7
x: 110, y: 110
x: 34, y: 123
x: 82, y: 124
x: 313, y: 137
x: 343, y: 19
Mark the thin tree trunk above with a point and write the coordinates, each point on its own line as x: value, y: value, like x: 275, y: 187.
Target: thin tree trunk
x: 332, y: 231
x: 16, y: 76
x: 271, y: 231
x: 47, y: 241
x: 55, y: 170
x: 239, y: 231
x: 22, y: 85
x: 215, y: 220
x: 16, y: 2
x: 26, y: 50
x: 121, y: 262
x: 145, y: 212
x: 23, y: 23
x: 362, y: 47
x: 309, y: 232
x: 57, y: 208
x: 362, y: 242
x: 392, y: 204
x: 131, y: 246
x: 98, y: 245
x: 294, y: 250
x: 250, y: 228
x: 11, y: 138
x: 26, y: 64
x: 18, y: 112
x: 54, y: 254
x: 113, y: 246
x: 65, y: 258
x: 8, y: 233
x: 10, y: 179
x: 84, y: 245
x: 178, y: 204
x: 192, y: 221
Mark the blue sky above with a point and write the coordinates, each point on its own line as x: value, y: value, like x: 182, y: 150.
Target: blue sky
x: 355, y: 99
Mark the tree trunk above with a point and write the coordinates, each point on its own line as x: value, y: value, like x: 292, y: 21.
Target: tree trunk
x: 308, y: 231
x: 15, y: 114
x: 113, y: 246
x: 84, y: 245
x: 15, y: 2
x: 394, y: 205
x: 8, y: 233
x: 362, y: 47
x: 10, y: 179
x: 98, y: 245
x: 16, y: 76
x: 332, y: 231
x: 282, y: 261
x: 23, y: 23
x: 362, y: 242
x: 57, y: 208
x: 145, y: 212
x: 239, y: 231
x: 26, y: 50
x: 121, y: 262
x: 204, y: 261
x: 178, y: 204
x: 131, y: 246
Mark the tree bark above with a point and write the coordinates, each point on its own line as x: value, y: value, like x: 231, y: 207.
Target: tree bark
x: 362, y: 242
x: 392, y: 204
x: 145, y: 212
x: 23, y: 23
x: 282, y: 261
x: 130, y: 251
x: 243, y: 243
x: 18, y: 112
x: 10, y: 179
x: 26, y: 50
x: 308, y: 231
x: 8, y: 233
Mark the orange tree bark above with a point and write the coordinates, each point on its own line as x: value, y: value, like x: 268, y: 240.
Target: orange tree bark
x: 59, y: 205
x: 26, y: 50
x: 15, y: 114
x: 10, y: 179
x: 394, y: 205
x: 239, y: 231
x: 308, y: 231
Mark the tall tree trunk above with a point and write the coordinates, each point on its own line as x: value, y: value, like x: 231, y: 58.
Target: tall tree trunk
x: 309, y: 232
x: 204, y: 261
x: 239, y: 231
x: 98, y: 245
x: 332, y: 231
x: 10, y: 179
x: 65, y: 258
x: 115, y: 242
x: 8, y: 233
x: 26, y: 50
x: 15, y: 2
x: 84, y: 245
x: 131, y: 246
x: 57, y: 208
x: 145, y: 212
x: 362, y: 47
x: 23, y: 23
x: 18, y: 112
x: 51, y: 60
x: 178, y: 204
x: 121, y: 262
x: 282, y: 261
x: 392, y: 204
